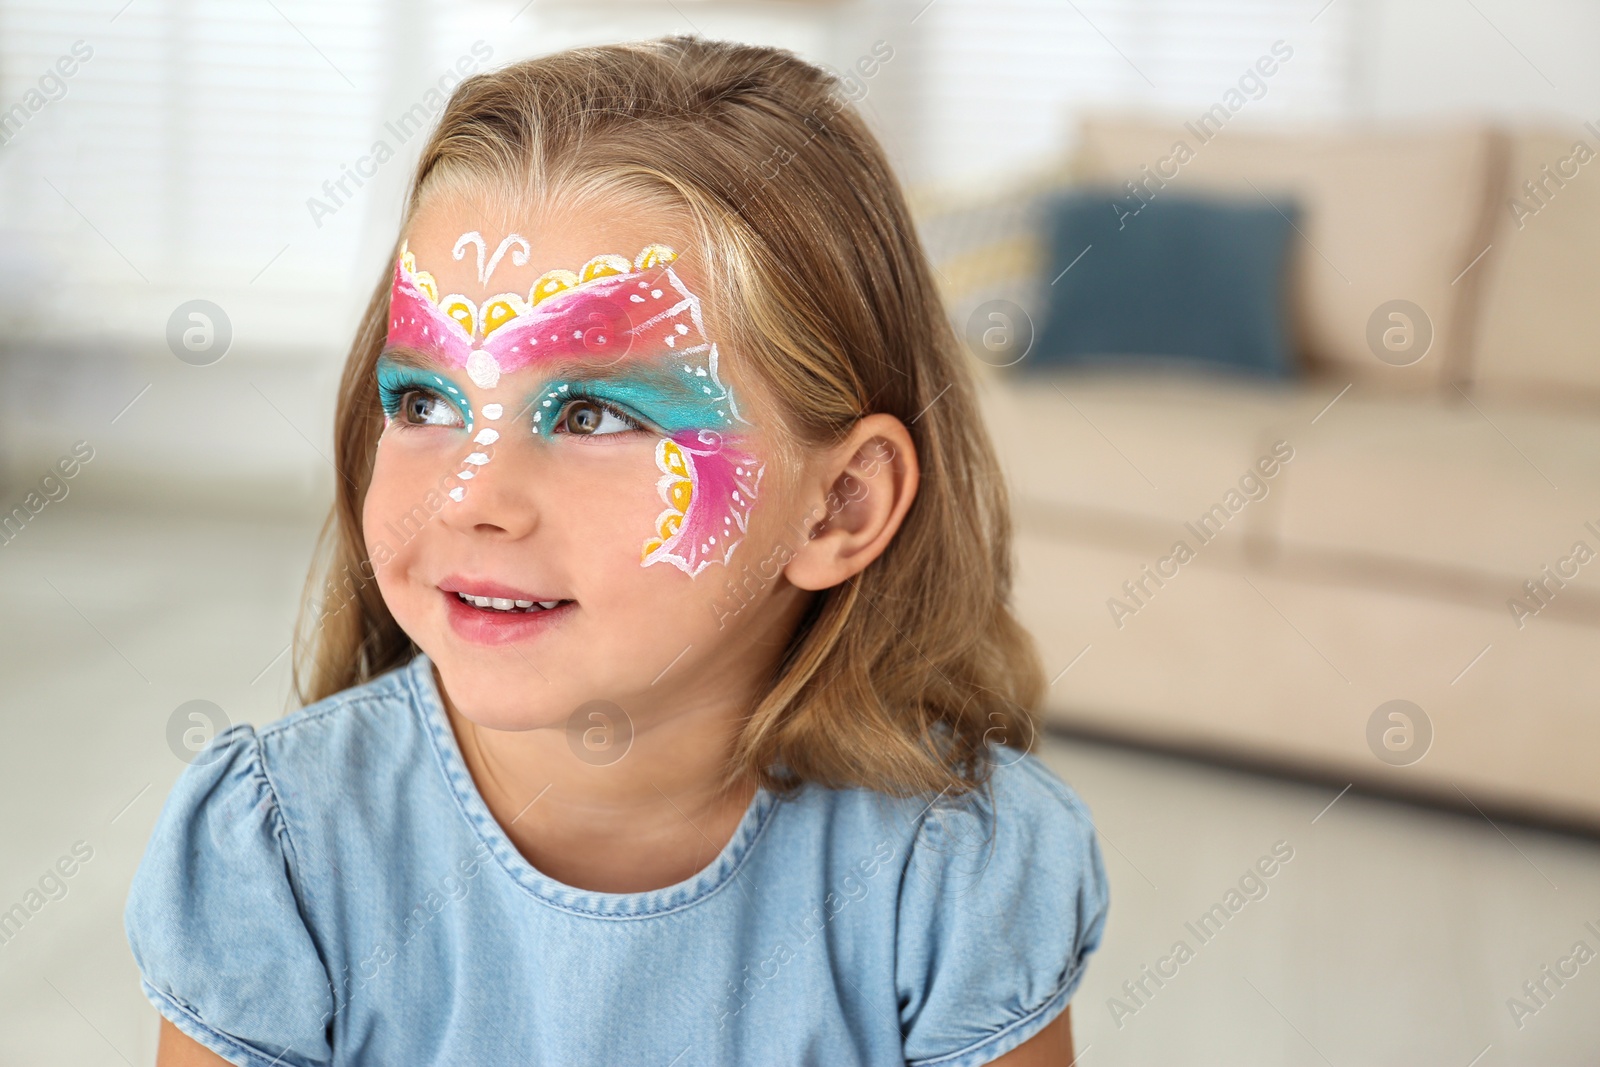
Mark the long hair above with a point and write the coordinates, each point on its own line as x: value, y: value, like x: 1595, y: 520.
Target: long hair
x: 897, y: 679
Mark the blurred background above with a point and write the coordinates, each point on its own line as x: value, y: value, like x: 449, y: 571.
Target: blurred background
x: 1285, y: 319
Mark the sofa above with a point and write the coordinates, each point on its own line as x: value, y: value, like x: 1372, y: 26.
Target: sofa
x: 1392, y: 568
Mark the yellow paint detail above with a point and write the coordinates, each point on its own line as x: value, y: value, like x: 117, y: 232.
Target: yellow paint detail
x: 461, y: 310
x: 669, y: 457
x: 604, y: 266
x: 550, y: 283
x: 677, y: 492
x: 501, y: 310
x: 653, y: 256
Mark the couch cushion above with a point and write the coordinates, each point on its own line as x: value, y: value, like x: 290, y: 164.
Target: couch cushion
x: 1140, y: 454
x: 1422, y: 493
x: 1540, y: 325
x: 1493, y: 490
x: 1251, y: 662
x: 1395, y: 216
x: 1198, y: 279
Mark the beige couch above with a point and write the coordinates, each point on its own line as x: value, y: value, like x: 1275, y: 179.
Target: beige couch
x: 1384, y: 559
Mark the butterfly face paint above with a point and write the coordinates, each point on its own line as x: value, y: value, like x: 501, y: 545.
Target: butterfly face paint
x: 626, y: 335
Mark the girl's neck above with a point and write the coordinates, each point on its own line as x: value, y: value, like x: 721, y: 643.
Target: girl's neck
x: 652, y: 819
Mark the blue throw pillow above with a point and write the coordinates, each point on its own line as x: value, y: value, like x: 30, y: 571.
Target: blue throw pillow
x: 1187, y: 279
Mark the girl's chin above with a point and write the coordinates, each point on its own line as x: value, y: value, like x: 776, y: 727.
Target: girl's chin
x: 505, y: 707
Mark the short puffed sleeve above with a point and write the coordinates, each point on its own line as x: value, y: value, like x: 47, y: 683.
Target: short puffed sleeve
x: 1003, y: 898
x: 216, y: 919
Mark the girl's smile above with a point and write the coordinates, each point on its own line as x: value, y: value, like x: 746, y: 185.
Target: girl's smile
x: 489, y: 613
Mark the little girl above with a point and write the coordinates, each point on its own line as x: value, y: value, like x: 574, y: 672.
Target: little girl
x: 664, y: 701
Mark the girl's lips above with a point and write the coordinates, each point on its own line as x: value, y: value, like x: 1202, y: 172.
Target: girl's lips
x: 485, y: 626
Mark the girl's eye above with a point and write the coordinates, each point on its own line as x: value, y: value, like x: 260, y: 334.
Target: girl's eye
x: 418, y: 407
x: 586, y: 418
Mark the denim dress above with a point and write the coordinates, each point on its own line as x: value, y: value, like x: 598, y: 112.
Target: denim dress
x: 332, y: 889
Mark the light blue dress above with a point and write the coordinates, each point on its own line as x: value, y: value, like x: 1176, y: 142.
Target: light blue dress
x: 332, y: 889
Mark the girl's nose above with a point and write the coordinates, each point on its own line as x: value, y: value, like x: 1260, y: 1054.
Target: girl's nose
x: 496, y: 497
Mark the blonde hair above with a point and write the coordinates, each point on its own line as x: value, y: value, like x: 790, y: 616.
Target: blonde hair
x: 893, y: 681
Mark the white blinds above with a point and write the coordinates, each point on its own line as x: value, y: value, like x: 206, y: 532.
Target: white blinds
x: 1007, y: 77
x: 177, y: 160
x: 176, y: 163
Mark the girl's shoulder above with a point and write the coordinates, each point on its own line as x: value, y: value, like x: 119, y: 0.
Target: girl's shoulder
x: 336, y: 728
x: 1001, y: 902
x: 329, y: 773
x: 1022, y: 806
x: 258, y: 838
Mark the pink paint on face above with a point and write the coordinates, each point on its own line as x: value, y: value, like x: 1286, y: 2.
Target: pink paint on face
x: 648, y: 316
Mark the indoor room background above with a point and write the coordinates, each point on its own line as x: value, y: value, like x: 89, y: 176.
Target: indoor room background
x: 1306, y: 288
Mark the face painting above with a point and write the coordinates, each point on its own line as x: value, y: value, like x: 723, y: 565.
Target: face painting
x: 624, y: 334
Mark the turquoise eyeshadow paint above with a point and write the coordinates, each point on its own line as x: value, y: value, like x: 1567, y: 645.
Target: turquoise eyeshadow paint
x: 395, y: 380
x: 658, y: 400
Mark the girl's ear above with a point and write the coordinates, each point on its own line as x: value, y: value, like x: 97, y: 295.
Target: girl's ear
x: 861, y: 491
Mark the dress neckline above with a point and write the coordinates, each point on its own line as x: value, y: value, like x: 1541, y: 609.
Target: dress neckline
x: 698, y: 886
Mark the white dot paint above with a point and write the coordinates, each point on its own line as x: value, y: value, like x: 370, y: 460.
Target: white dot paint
x: 482, y: 369
x: 457, y: 493
x: 464, y: 475
x: 493, y: 411
x: 478, y: 459
x: 487, y: 437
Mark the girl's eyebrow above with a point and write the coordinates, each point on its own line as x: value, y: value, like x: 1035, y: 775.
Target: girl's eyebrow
x: 410, y: 357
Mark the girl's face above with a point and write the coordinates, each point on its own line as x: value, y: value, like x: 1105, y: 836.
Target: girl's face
x: 570, y: 471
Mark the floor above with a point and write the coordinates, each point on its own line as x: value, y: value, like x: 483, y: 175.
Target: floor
x: 1392, y: 935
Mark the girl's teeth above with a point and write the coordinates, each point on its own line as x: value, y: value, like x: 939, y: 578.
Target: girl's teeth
x: 502, y: 604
